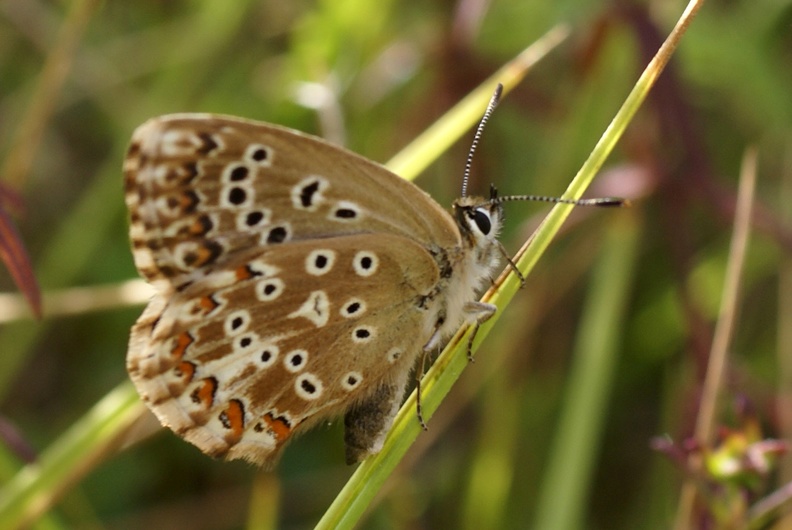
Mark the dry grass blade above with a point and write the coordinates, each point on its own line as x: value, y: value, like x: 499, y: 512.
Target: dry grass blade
x: 713, y: 382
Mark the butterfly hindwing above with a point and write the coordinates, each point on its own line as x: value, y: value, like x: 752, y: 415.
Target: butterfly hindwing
x: 244, y: 357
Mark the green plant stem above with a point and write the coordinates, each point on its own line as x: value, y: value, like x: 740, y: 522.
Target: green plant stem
x: 34, y: 488
x: 442, y: 134
x: 356, y: 495
x: 563, y: 496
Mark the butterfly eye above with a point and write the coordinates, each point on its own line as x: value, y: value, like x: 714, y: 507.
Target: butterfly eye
x: 481, y: 217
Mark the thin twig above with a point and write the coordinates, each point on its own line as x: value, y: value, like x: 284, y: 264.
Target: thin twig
x: 713, y: 381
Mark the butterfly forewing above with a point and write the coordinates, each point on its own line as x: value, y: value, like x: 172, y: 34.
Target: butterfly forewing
x: 201, y: 187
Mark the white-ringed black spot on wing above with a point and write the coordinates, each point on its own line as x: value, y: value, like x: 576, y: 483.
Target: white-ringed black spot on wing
x: 236, y: 322
x: 234, y: 172
x: 259, y: 154
x: 365, y: 263
x: 320, y: 262
x: 252, y: 219
x: 353, y: 308
x: 308, y: 386
x: 245, y: 341
x: 346, y: 211
x: 295, y: 360
x: 268, y: 355
x: 362, y: 334
x: 276, y: 234
x: 308, y: 193
x: 236, y: 195
x: 351, y: 381
x: 269, y: 289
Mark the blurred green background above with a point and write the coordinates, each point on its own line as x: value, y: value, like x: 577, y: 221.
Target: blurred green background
x: 372, y: 75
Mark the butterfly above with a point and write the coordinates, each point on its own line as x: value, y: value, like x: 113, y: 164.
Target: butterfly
x: 295, y: 282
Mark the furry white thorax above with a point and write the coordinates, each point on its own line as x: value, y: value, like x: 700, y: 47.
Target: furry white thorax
x: 472, y: 265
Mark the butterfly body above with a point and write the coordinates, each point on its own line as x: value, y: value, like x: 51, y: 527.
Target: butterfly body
x: 296, y: 282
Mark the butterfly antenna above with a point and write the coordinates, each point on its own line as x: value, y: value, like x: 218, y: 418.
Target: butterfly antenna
x: 493, y: 102
x: 603, y: 201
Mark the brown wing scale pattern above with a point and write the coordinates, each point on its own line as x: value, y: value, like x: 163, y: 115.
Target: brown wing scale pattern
x: 199, y: 189
x: 237, y: 363
x: 296, y: 281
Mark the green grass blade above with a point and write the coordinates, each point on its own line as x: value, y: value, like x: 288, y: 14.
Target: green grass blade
x: 563, y: 497
x: 37, y: 485
x: 428, y: 146
x: 355, y: 497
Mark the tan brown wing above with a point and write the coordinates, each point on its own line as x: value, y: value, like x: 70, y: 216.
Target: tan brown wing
x: 283, y: 337
x: 200, y: 187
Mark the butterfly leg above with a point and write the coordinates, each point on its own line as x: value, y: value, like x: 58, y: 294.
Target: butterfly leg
x: 512, y: 265
x: 430, y: 345
x: 418, y: 376
x: 478, y: 313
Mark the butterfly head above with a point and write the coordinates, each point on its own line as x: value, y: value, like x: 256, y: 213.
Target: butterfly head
x: 479, y: 220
